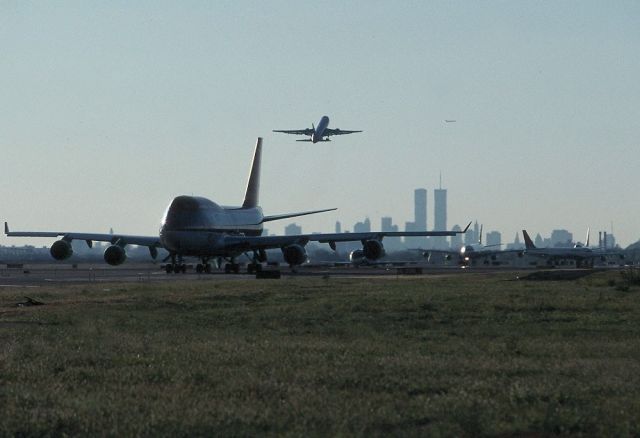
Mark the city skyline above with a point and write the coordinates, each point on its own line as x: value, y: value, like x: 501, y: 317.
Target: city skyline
x: 558, y: 236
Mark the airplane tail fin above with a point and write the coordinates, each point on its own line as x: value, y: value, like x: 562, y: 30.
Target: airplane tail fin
x: 253, y: 185
x: 587, y: 241
x: 528, y: 243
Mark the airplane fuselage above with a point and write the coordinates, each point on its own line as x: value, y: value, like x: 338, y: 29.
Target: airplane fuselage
x: 318, y: 133
x: 194, y: 226
x: 578, y: 252
x: 469, y: 251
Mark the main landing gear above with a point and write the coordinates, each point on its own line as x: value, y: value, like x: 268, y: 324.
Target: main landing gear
x: 203, y: 267
x: 231, y: 268
x: 176, y: 266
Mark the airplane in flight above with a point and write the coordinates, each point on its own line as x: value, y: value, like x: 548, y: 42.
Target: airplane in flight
x: 194, y: 226
x: 583, y: 255
x: 320, y: 133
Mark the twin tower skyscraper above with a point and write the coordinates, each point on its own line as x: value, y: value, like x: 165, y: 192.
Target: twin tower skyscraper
x: 420, y: 218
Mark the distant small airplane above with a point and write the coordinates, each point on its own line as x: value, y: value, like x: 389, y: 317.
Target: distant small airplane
x: 450, y: 121
x: 319, y: 133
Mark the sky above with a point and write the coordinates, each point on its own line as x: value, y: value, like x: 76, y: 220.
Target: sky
x: 110, y: 109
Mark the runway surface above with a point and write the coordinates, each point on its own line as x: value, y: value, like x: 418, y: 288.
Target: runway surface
x: 31, y: 275
x: 36, y: 275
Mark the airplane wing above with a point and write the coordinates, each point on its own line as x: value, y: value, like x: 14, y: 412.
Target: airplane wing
x: 307, y: 131
x: 276, y: 217
x: 443, y: 252
x: 247, y: 243
x: 150, y: 241
x: 329, y: 132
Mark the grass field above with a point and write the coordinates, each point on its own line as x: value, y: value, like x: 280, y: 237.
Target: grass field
x: 438, y: 355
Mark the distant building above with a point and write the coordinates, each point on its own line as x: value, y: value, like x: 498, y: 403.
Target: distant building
x: 338, y: 227
x: 292, y: 229
x: 468, y: 237
x: 472, y: 234
x: 494, y: 238
x: 516, y: 243
x: 362, y: 227
x: 420, y: 219
x: 390, y: 243
x: 456, y: 241
x: 440, y: 217
x: 606, y: 240
x: 420, y: 206
x: 539, y: 241
x: 561, y: 238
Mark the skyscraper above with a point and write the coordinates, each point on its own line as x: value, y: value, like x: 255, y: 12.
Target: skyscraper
x: 390, y: 243
x: 440, y: 216
x: 420, y: 219
x: 420, y: 208
x: 494, y: 238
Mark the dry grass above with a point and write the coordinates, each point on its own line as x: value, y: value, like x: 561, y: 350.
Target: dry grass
x: 462, y: 355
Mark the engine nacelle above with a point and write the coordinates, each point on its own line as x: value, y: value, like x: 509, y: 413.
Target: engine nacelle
x: 294, y: 254
x: 115, y: 255
x: 373, y: 249
x: 61, y: 250
x: 356, y: 256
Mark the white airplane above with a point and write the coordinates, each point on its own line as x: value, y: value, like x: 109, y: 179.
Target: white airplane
x: 583, y: 255
x: 318, y: 133
x: 194, y: 226
x: 469, y: 254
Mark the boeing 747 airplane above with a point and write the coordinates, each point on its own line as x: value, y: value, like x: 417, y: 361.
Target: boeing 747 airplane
x: 318, y: 133
x: 194, y: 226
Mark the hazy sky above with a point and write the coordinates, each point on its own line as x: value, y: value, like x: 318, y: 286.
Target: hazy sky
x: 109, y: 109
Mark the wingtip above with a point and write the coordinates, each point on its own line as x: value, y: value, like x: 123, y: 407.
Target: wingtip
x: 467, y: 227
x: 6, y: 228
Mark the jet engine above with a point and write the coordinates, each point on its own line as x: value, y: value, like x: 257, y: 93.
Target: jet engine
x: 294, y: 254
x: 373, y: 249
x: 61, y: 250
x: 357, y: 256
x: 115, y: 255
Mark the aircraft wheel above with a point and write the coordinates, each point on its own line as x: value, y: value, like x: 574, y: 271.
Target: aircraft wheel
x: 207, y: 268
x: 168, y: 268
x: 183, y: 268
x: 199, y: 268
x: 227, y: 268
x: 236, y: 268
x: 176, y: 269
